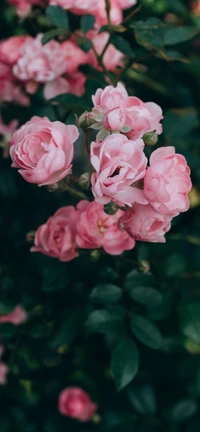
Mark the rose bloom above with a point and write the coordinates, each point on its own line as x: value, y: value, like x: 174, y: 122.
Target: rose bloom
x: 76, y: 403
x: 143, y: 223
x: 118, y: 163
x: 75, y: 56
x: 167, y: 182
x: 117, y: 111
x: 10, y: 49
x: 40, y: 63
x: 17, y: 316
x: 43, y: 150
x: 23, y: 7
x: 79, y: 7
x: 195, y: 7
x: 112, y: 57
x: 56, y: 238
x: 96, y: 229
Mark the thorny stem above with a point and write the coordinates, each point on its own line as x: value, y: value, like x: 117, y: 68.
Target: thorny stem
x: 75, y: 193
x: 101, y: 63
x: 108, y: 11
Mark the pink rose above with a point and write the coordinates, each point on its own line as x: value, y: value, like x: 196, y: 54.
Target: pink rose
x: 35, y: 62
x: 167, y: 182
x: 23, y: 7
x: 43, y: 150
x: 114, y: 110
x: 17, y: 316
x: 3, y: 368
x: 79, y: 7
x: 10, y: 90
x: 76, y: 403
x: 145, y: 224
x: 112, y: 57
x: 118, y: 163
x: 96, y: 229
x: 74, y: 55
x: 10, y: 48
x: 56, y: 238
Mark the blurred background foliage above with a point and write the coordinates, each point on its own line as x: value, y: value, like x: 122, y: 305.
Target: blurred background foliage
x: 99, y: 316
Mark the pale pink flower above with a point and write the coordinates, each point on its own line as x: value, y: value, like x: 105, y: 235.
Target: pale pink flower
x: 56, y: 238
x: 143, y: 223
x: 76, y: 403
x: 119, y: 163
x: 96, y: 229
x: 74, y: 55
x: 79, y: 7
x: 40, y: 63
x: 17, y: 316
x: 167, y: 182
x: 43, y: 150
x: 10, y: 89
x: 112, y: 57
x: 23, y: 7
x: 114, y: 110
x: 10, y: 49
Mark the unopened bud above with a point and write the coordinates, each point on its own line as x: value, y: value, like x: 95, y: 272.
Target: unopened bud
x: 150, y: 138
x: 85, y: 120
x: 84, y: 181
x: 95, y: 255
x: 111, y: 208
x: 30, y: 236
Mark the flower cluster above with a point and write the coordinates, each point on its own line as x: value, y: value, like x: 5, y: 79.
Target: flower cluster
x: 43, y: 151
x: 26, y: 64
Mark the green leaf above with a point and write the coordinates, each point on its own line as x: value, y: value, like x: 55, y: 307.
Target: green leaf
x: 143, y: 399
x: 58, y: 16
x: 103, y: 320
x: 122, y: 45
x: 71, y: 101
x: 70, y: 324
x: 54, y: 277
x: 135, y: 279
x: 113, y: 28
x: 183, y: 410
x: 124, y: 363
x: 149, y: 24
x: 179, y: 34
x: 106, y: 293
x: 190, y: 321
x: 52, y: 34
x: 84, y: 43
x: 87, y: 23
x: 147, y: 296
x: 174, y: 265
x: 146, y: 332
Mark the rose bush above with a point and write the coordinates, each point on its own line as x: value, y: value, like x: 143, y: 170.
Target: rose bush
x: 99, y: 267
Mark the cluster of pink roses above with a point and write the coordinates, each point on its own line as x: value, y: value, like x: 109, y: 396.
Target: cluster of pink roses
x: 25, y: 64
x: 43, y: 151
x: 93, y: 7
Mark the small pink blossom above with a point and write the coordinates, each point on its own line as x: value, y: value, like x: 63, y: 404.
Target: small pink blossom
x: 96, y: 229
x: 116, y: 15
x: 35, y: 62
x: 10, y: 88
x: 115, y: 111
x: 43, y: 150
x: 56, y: 238
x: 17, y: 316
x: 76, y: 403
x: 143, y: 223
x: 23, y: 7
x: 119, y: 163
x: 167, y: 182
x: 112, y: 57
